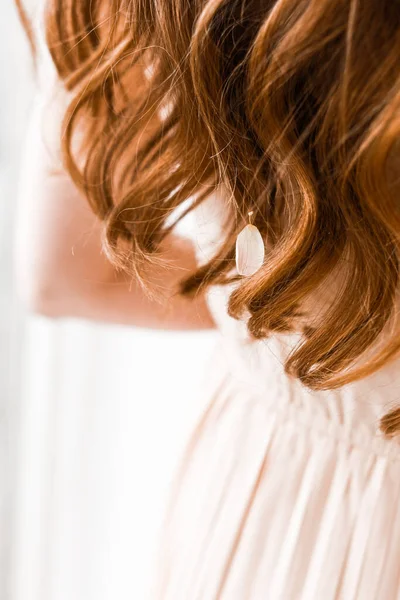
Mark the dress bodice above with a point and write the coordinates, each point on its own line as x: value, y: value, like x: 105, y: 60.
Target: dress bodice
x: 258, y: 365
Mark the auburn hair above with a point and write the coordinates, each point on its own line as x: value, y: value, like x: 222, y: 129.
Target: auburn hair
x: 294, y: 107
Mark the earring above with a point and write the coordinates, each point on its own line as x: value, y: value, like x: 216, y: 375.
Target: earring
x: 250, y: 249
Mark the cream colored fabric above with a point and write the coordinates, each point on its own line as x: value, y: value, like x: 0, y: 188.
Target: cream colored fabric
x: 283, y: 494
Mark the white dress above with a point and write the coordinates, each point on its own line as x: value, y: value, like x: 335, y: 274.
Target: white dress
x: 283, y: 493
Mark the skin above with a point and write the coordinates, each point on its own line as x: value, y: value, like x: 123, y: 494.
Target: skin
x: 60, y: 268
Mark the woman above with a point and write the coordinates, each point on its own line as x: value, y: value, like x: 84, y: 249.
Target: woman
x: 284, y: 114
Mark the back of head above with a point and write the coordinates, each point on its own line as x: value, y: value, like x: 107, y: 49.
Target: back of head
x: 294, y: 107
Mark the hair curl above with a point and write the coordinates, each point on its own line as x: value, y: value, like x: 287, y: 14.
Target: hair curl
x: 294, y: 108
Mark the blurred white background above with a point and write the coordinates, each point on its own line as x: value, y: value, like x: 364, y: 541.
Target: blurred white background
x: 92, y: 418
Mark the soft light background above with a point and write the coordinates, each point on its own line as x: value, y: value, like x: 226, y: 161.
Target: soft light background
x: 92, y: 418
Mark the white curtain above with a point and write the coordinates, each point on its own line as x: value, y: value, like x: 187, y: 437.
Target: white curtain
x: 105, y: 413
x: 93, y: 419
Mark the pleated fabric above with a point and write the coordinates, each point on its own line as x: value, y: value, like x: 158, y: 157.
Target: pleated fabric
x: 274, y: 501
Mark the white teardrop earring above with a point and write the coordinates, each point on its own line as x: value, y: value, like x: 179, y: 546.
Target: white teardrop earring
x: 250, y: 249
